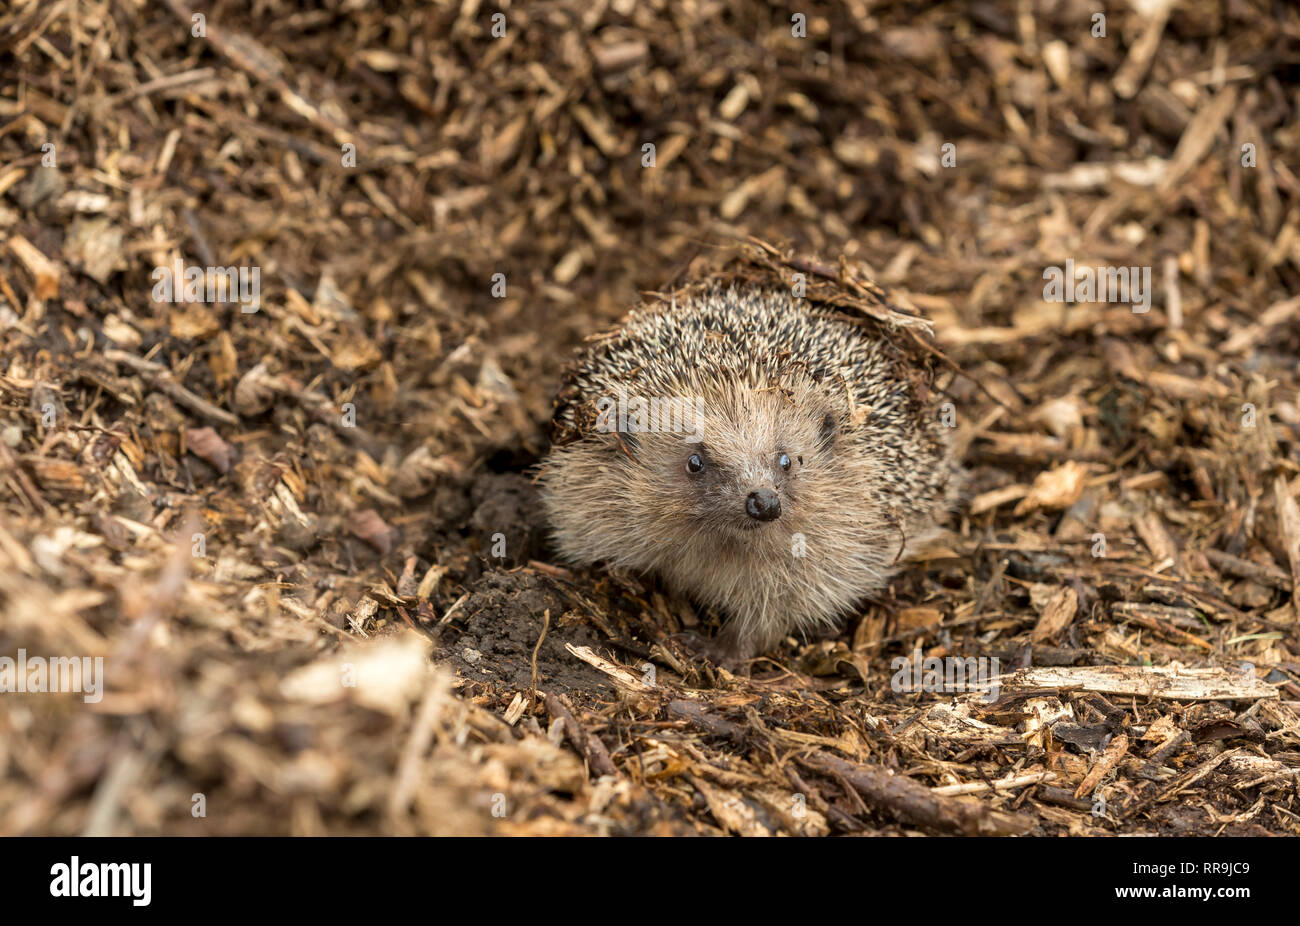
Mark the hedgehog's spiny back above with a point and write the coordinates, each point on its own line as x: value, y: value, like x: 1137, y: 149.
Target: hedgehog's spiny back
x: 749, y: 333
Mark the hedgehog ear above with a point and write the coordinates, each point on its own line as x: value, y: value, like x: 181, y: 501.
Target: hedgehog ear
x: 827, y: 438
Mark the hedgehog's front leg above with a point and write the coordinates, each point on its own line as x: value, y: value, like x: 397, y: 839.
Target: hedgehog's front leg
x: 728, y: 649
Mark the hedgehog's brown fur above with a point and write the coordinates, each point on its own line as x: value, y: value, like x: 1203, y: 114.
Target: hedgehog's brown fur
x: 870, y: 470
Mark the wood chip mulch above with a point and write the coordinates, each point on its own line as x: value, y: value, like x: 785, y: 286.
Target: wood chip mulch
x: 302, y: 534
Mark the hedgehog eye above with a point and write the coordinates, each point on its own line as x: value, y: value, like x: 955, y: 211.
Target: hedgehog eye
x: 695, y: 463
x: 783, y: 461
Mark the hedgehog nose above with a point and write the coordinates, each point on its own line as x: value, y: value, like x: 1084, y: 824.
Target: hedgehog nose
x: 763, y: 505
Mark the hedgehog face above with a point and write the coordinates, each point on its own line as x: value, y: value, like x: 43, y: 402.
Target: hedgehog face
x: 752, y: 458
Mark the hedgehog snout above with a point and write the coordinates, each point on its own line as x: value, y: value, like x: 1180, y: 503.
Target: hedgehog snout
x: 763, y: 505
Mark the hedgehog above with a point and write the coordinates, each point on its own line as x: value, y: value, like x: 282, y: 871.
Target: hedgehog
x: 768, y: 457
